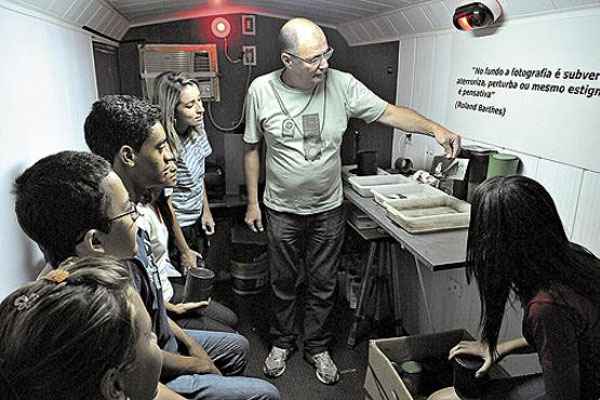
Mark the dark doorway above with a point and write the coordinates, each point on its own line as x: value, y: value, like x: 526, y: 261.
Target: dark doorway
x: 106, y: 61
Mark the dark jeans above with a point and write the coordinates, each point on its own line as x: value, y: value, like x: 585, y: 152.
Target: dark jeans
x: 216, y: 317
x: 195, y: 238
x: 304, y: 248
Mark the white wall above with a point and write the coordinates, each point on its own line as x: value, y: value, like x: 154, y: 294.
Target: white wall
x: 556, y: 137
x: 48, y: 85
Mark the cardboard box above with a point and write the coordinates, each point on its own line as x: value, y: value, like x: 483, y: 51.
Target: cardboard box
x: 382, y: 381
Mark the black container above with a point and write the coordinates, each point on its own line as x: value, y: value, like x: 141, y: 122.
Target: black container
x: 476, y: 171
x: 466, y: 385
x: 214, y: 182
x: 411, y: 373
x: 404, y: 166
x: 367, y: 162
x: 198, y: 285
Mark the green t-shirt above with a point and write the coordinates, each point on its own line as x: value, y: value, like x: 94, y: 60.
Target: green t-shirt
x: 303, y: 132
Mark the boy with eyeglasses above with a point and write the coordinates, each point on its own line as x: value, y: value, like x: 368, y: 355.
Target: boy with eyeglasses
x: 73, y: 204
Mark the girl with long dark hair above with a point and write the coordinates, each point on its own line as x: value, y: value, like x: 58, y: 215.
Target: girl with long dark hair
x: 517, y: 245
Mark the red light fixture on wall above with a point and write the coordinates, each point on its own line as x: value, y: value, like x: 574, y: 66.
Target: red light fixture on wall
x: 220, y: 27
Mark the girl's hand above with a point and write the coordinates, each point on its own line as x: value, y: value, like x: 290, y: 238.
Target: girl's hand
x: 183, y: 308
x: 188, y: 260
x: 475, y: 348
x: 208, y: 223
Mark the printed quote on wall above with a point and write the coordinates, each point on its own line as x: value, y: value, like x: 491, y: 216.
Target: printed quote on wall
x: 477, y: 92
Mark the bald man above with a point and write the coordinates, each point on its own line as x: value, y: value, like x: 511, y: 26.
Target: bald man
x: 301, y: 111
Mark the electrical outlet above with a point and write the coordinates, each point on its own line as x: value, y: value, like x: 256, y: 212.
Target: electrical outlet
x: 206, y: 89
x: 249, y: 55
x: 455, y: 287
x: 427, y: 159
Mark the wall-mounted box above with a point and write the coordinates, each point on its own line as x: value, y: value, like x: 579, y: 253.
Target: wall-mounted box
x: 249, y: 55
x: 248, y: 25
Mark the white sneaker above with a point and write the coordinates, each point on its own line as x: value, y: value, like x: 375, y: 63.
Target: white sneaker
x: 275, y: 362
x: 326, y: 369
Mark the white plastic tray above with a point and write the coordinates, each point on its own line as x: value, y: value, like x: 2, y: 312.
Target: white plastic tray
x: 429, y: 214
x: 363, y: 184
x: 347, y: 174
x: 384, y: 193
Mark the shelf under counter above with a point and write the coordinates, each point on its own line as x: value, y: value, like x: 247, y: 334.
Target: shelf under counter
x: 437, y: 250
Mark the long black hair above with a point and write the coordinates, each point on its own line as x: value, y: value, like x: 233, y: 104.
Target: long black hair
x: 517, y: 243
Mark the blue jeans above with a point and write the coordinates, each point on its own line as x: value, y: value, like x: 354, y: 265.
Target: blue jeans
x: 304, y: 248
x: 228, y: 352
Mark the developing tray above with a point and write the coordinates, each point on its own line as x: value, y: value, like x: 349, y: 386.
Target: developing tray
x: 384, y: 193
x: 363, y: 184
x: 348, y: 171
x: 429, y: 214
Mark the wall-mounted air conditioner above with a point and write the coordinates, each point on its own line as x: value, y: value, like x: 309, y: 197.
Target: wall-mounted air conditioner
x: 198, y: 61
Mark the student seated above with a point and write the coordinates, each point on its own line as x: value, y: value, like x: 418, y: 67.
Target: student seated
x: 73, y: 204
x: 210, y: 315
x: 105, y: 349
x: 517, y: 245
x: 126, y: 132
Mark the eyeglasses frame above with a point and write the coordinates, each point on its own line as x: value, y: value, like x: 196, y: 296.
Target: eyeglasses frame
x: 317, y: 60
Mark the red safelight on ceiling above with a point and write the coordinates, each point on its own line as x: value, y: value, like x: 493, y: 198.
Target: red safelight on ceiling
x: 220, y: 27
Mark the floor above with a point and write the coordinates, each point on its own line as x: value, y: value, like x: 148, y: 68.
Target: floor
x: 299, y: 381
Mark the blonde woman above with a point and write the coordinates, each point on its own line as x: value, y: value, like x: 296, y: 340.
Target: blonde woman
x: 183, y: 119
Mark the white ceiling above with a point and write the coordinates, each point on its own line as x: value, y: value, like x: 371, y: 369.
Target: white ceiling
x: 326, y: 12
x: 359, y: 21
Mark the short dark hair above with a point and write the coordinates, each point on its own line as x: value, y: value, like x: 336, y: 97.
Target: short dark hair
x: 58, y: 340
x: 59, y: 198
x: 119, y: 120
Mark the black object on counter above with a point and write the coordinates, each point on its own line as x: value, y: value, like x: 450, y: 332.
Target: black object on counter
x: 476, y: 171
x: 367, y: 162
x: 466, y: 385
x: 404, y: 166
x: 214, y: 181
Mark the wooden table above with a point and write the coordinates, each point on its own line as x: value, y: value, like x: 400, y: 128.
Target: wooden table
x: 436, y: 250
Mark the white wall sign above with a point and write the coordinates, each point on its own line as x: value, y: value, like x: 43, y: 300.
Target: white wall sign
x: 534, y: 87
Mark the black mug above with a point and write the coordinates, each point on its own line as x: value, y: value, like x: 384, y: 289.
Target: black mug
x: 198, y: 285
x: 466, y: 385
x: 367, y: 162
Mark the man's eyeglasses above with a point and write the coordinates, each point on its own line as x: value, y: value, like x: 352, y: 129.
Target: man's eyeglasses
x: 316, y: 60
x: 133, y: 211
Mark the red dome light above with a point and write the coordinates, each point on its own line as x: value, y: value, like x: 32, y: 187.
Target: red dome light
x: 220, y: 27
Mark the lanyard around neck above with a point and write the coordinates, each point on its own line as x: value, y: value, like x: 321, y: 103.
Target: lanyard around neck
x: 282, y: 105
